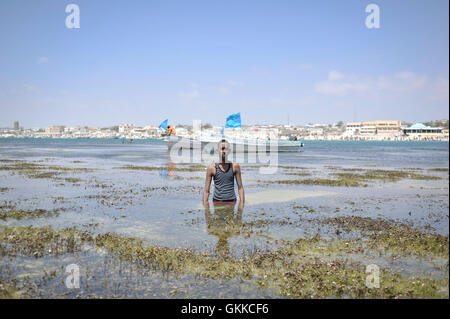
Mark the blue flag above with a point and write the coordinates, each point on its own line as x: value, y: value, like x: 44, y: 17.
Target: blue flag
x: 234, y: 120
x: 163, y: 125
x: 223, y: 131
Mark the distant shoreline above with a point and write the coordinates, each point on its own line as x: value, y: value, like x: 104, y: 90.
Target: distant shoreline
x: 159, y: 139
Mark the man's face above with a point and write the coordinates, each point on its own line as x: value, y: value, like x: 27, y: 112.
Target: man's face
x: 224, y: 149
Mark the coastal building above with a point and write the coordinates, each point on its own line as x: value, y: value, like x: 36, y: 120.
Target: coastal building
x: 126, y: 128
x: 316, y: 131
x: 152, y: 131
x: 72, y: 129
x: 55, y: 129
x: 16, y: 125
x: 385, y: 127
x: 353, y: 128
x: 368, y: 130
x: 420, y: 131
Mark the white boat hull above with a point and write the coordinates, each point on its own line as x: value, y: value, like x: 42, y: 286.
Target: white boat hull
x: 209, y: 145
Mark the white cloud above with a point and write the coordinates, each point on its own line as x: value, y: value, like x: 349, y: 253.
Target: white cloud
x: 64, y: 92
x: 440, y: 90
x: 335, y: 76
x: 303, y: 67
x: 335, y: 86
x: 234, y: 83
x: 30, y: 88
x: 42, y: 60
x: 401, y: 81
x: 292, y: 101
x: 339, y: 88
x: 194, y: 94
x: 224, y: 90
x: 228, y: 86
x: 342, y: 84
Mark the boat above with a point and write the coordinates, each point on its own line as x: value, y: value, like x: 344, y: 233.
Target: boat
x: 209, y: 144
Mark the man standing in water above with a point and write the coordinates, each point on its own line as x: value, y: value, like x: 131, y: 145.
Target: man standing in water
x: 223, y: 174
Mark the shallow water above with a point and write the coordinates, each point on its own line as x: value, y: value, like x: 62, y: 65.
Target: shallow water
x: 163, y: 207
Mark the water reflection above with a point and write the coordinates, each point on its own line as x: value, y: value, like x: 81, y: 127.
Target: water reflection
x: 169, y: 172
x: 224, y: 223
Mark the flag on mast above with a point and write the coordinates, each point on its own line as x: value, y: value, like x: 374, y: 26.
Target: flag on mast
x: 163, y: 125
x: 234, y: 120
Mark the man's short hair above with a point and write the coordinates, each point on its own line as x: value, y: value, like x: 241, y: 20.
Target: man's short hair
x: 223, y: 141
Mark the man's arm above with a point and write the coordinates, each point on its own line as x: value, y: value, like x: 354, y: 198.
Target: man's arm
x: 209, y: 174
x: 237, y: 170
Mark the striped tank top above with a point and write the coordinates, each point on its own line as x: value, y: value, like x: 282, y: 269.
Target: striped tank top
x: 224, y: 184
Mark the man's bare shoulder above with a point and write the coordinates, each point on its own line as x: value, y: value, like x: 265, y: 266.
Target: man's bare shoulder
x: 211, y: 168
x: 236, y: 167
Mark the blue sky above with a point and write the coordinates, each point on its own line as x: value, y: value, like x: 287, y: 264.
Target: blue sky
x: 143, y: 61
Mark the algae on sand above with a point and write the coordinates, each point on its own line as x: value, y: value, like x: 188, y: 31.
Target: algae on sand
x: 357, y: 178
x: 297, y: 269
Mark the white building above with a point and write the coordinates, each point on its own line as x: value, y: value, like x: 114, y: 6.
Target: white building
x: 353, y: 128
x: 55, y: 129
x: 368, y: 130
x: 125, y: 128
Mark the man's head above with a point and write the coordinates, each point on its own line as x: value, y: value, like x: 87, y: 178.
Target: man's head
x: 223, y: 150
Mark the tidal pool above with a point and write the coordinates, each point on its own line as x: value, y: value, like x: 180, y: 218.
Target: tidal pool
x: 135, y: 191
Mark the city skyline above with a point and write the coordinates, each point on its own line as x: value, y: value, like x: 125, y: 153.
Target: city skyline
x: 144, y: 62
x: 435, y: 123
x: 215, y: 125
